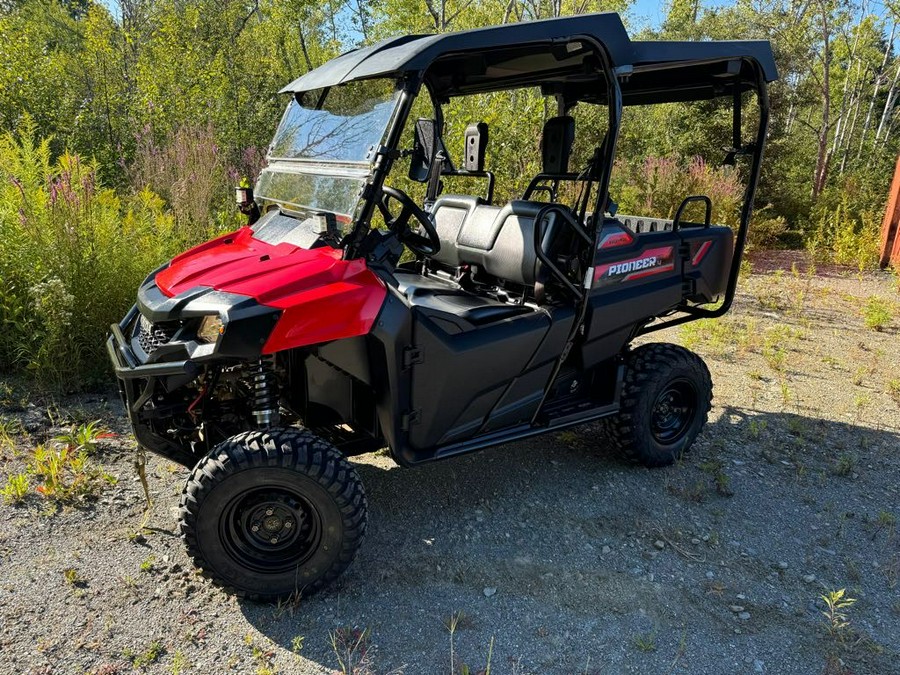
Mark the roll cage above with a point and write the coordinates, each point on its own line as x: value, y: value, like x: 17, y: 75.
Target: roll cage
x: 587, y: 58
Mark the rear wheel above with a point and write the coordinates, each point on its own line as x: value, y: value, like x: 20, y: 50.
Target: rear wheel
x: 272, y: 513
x: 666, y: 397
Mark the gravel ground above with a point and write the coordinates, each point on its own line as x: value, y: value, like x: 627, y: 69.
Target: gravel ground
x: 552, y: 555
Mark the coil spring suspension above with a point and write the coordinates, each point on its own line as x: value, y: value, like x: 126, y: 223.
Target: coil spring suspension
x: 265, y: 392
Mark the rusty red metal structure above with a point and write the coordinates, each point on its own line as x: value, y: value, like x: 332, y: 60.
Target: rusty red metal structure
x: 890, y: 229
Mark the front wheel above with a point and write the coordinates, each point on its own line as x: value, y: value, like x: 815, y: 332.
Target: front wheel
x: 273, y: 513
x: 666, y: 396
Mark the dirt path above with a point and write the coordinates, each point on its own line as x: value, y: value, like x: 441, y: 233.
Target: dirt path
x: 567, y: 559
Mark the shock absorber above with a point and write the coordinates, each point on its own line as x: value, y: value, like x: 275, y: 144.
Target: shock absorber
x: 265, y: 392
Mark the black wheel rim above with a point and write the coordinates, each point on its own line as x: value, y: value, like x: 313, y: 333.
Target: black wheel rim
x: 673, y: 411
x: 271, y: 529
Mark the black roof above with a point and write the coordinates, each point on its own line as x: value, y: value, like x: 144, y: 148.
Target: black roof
x: 501, y: 57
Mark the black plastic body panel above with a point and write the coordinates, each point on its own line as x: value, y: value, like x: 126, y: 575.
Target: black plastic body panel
x: 387, y: 344
x: 351, y: 355
x: 336, y: 383
x: 522, y: 396
x: 462, y: 376
x: 649, y: 273
x: 628, y: 291
x: 437, y: 382
x: 709, y: 252
x: 329, y: 394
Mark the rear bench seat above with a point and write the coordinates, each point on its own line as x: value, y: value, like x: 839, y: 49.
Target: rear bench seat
x: 499, y: 240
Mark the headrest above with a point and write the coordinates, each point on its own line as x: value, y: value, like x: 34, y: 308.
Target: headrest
x: 556, y: 144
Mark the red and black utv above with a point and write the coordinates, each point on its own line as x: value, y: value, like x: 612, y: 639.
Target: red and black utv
x: 262, y: 359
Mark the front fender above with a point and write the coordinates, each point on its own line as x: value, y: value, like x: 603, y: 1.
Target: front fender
x: 346, y: 307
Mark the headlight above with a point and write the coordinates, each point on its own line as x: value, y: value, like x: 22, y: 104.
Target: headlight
x: 210, y: 329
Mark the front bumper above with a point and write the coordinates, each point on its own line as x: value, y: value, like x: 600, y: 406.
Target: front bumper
x: 149, y: 371
x: 137, y: 385
x: 126, y: 363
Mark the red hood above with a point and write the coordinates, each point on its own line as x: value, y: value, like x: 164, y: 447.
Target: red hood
x: 238, y: 263
x: 322, y: 296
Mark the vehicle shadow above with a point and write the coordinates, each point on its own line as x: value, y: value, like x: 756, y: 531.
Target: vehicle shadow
x: 537, y: 539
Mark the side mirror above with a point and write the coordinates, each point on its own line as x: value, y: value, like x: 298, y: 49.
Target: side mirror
x: 476, y: 146
x: 423, y: 150
x: 426, y: 145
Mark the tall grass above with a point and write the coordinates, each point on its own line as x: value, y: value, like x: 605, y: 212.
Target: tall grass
x: 657, y: 186
x: 72, y: 253
x: 187, y: 170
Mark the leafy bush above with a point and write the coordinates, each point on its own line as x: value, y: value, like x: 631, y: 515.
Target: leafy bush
x: 766, y: 232
x: 877, y: 313
x: 845, y: 229
x: 72, y: 253
x: 65, y: 473
x: 16, y: 488
x: 657, y: 186
x: 84, y: 436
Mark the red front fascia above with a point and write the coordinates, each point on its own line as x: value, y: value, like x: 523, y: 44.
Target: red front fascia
x: 322, y: 297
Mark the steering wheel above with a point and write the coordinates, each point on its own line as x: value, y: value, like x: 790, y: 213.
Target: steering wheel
x: 422, y: 245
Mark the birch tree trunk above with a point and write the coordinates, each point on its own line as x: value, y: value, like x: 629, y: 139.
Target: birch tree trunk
x: 878, y: 78
x: 822, y: 155
x: 846, y: 149
x: 888, y: 104
x: 841, y: 123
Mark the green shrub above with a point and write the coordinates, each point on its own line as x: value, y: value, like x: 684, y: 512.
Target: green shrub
x: 657, y: 186
x: 72, y: 254
x: 846, y: 233
x: 16, y: 488
x: 766, y: 232
x: 877, y: 313
x: 66, y: 474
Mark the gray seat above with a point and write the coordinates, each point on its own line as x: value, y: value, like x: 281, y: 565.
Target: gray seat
x: 450, y: 212
x: 498, y: 240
